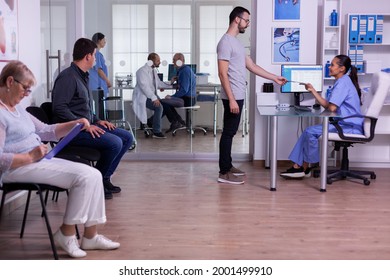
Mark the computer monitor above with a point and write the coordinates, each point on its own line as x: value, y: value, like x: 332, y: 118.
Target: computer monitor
x: 298, y: 75
x: 172, y: 71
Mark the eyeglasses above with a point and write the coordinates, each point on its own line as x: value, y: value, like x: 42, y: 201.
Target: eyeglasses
x: 246, y: 20
x: 26, y: 89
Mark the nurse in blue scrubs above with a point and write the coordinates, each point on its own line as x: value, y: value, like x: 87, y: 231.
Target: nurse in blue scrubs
x: 343, y: 99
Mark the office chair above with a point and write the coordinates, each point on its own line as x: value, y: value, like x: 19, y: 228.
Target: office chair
x: 380, y: 86
x: 191, y: 129
x: 39, y: 188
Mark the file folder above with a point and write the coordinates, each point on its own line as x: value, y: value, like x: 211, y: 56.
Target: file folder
x: 352, y: 54
x: 371, y: 27
x: 379, y: 29
x: 359, y: 59
x: 362, y: 28
x: 353, y: 29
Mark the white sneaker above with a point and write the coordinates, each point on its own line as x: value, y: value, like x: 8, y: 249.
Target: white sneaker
x: 99, y: 242
x: 69, y: 244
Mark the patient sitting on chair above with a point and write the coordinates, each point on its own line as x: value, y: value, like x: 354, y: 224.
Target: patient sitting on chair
x: 21, y: 153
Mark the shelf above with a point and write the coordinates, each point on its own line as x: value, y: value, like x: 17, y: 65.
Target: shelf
x: 331, y: 36
x: 332, y: 27
x: 369, y: 45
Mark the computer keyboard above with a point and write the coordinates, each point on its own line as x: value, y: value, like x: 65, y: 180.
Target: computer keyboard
x: 302, y: 108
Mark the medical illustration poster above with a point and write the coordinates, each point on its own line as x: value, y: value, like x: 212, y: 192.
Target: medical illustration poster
x: 287, y: 10
x: 8, y: 30
x: 285, y: 45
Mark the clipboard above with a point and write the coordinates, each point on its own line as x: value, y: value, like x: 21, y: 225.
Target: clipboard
x: 64, y: 141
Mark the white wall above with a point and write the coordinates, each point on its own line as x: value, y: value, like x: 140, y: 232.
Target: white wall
x: 308, y: 54
x: 28, y: 36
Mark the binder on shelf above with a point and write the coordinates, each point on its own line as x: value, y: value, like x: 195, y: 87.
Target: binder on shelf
x: 379, y: 29
x: 353, y: 28
x: 359, y: 59
x: 356, y: 52
x: 352, y: 54
x: 362, y: 28
x: 371, y: 29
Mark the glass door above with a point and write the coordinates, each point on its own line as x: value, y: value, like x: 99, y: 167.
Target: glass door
x: 58, y: 33
x: 133, y: 29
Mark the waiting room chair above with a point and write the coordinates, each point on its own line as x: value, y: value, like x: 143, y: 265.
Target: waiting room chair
x: 380, y: 86
x: 39, y: 188
x: 71, y: 152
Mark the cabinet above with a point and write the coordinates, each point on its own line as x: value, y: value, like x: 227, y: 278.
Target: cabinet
x: 368, y: 45
x: 331, y: 37
x: 368, y: 42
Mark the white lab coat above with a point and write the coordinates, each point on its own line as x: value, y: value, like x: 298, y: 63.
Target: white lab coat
x: 146, y: 88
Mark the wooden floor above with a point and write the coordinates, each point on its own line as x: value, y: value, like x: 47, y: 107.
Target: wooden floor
x: 177, y: 210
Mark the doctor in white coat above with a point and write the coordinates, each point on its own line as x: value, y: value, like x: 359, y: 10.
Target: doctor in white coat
x: 145, y: 94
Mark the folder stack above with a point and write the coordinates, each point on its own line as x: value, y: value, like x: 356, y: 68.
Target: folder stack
x: 355, y: 52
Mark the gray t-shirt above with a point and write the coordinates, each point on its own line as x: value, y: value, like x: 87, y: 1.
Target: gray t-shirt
x: 231, y: 49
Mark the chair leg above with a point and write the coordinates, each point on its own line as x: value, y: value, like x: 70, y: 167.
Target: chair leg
x: 25, y: 214
x: 49, y: 231
x: 2, y: 202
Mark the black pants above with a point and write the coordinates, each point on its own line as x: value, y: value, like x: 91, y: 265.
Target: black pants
x: 231, y: 122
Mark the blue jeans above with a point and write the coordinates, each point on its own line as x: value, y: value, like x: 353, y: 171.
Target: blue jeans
x: 231, y: 122
x: 112, y: 145
x: 158, y: 112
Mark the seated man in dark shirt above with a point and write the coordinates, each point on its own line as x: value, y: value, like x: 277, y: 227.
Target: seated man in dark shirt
x: 73, y: 100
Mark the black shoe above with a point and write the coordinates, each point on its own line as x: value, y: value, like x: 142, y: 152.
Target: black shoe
x: 159, y: 135
x: 182, y: 122
x: 296, y: 173
x: 174, y: 125
x: 308, y: 172
x: 107, y: 194
x: 169, y: 130
x: 110, y: 187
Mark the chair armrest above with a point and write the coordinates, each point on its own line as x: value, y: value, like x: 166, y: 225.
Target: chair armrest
x: 340, y: 132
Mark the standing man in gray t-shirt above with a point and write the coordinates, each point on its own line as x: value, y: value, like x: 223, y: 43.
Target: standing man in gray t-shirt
x: 232, y: 65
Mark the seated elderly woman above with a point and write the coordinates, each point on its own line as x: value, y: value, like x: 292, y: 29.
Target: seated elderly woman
x: 21, y: 151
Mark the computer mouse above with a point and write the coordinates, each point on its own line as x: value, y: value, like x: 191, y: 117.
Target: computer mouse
x: 316, y: 106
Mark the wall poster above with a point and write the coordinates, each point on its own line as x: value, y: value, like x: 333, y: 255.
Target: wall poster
x: 287, y: 10
x: 8, y: 30
x: 285, y: 45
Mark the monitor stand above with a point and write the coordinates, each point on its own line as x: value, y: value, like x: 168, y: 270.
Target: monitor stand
x: 297, y: 98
